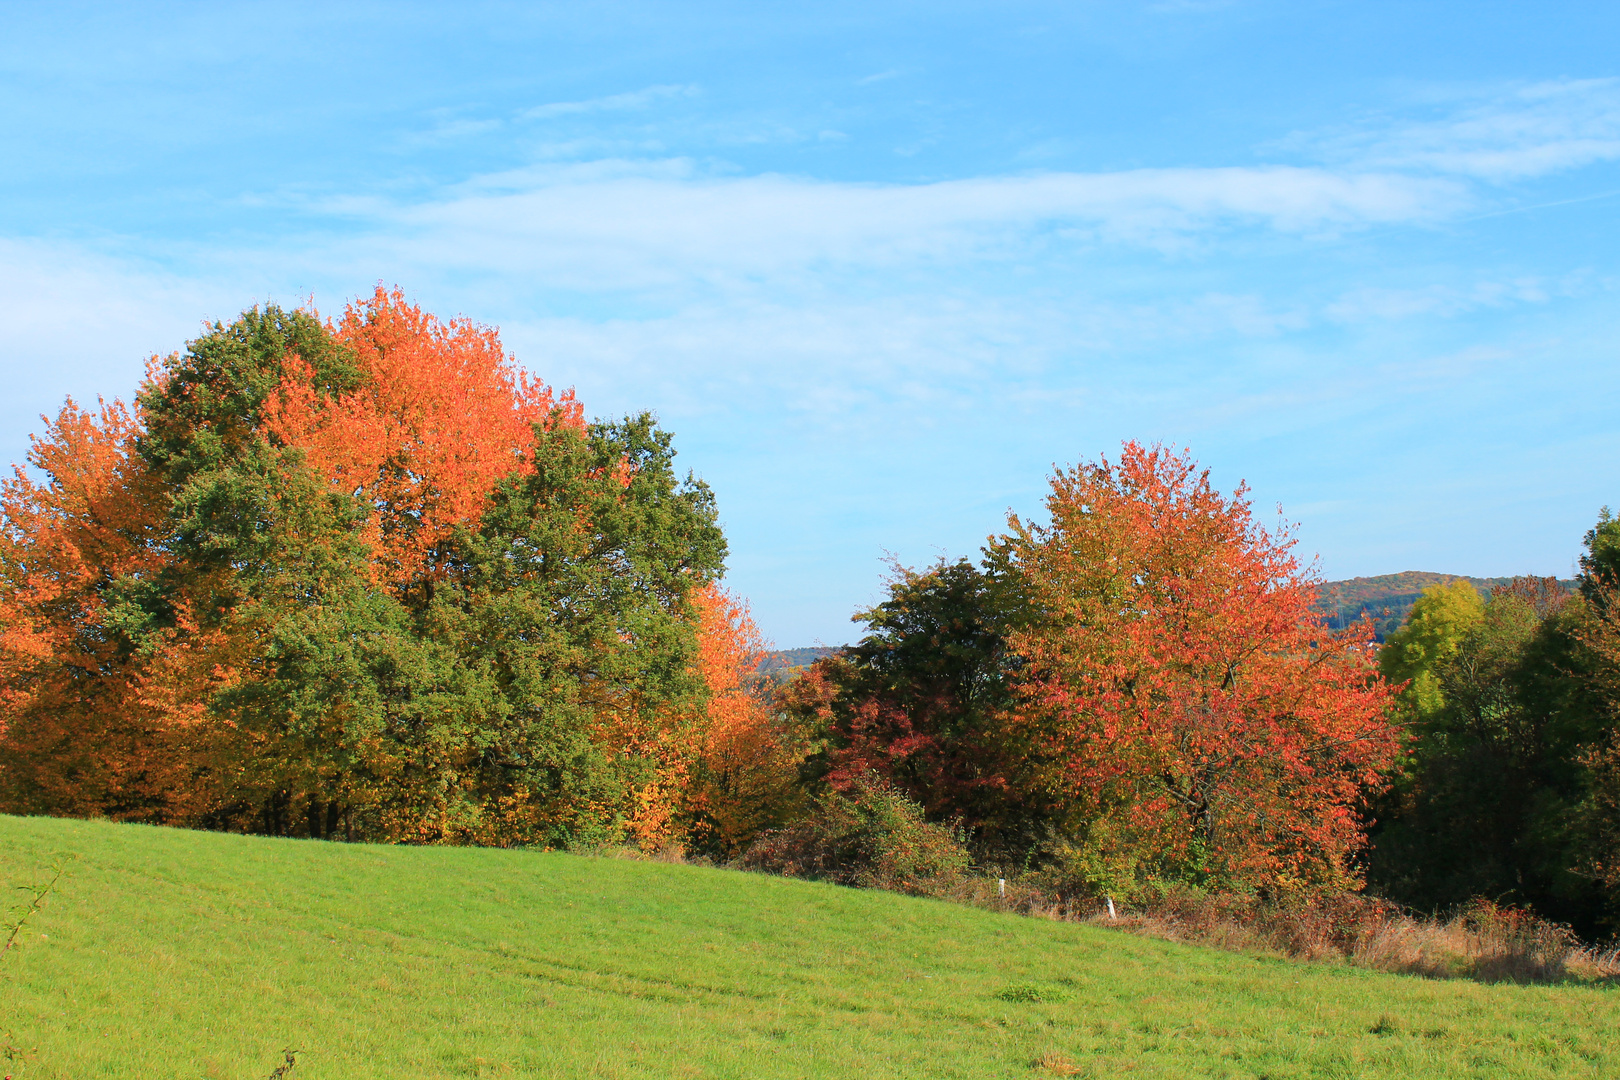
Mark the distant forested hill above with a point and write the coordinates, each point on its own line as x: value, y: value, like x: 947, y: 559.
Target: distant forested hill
x: 1389, y: 597
x: 787, y: 661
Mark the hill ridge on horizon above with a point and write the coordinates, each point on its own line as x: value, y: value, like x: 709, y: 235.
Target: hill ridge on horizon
x: 1387, y: 597
x: 1435, y: 577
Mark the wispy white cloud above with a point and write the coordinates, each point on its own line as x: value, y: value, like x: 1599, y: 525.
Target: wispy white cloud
x: 916, y: 359
x: 64, y: 306
x: 1524, y: 131
x: 83, y: 324
x: 636, y: 99
x: 1461, y: 297
x: 721, y: 261
x: 1436, y: 300
x: 624, y: 225
x: 832, y: 363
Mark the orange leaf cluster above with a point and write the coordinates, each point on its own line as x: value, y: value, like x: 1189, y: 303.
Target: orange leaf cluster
x: 443, y: 415
x: 88, y: 726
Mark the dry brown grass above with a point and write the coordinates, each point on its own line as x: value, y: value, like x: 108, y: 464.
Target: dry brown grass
x: 1056, y: 1065
x: 1489, y: 943
x: 1484, y: 941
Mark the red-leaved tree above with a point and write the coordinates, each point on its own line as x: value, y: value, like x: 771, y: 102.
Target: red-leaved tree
x: 1179, y: 693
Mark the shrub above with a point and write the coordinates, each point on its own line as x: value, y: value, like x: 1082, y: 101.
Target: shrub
x: 872, y: 836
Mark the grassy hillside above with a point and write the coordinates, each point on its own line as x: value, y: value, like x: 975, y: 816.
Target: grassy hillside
x: 171, y: 954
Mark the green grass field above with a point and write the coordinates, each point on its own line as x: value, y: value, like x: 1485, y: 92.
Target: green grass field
x: 180, y: 954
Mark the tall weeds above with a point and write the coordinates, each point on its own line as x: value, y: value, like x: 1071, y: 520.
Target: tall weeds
x: 1483, y: 941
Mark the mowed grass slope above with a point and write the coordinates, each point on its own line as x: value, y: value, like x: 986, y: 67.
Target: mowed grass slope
x: 181, y: 954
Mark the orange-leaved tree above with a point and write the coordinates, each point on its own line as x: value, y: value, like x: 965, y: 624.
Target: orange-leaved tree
x: 743, y: 773
x: 1178, y: 692
x: 541, y: 571
x: 95, y: 698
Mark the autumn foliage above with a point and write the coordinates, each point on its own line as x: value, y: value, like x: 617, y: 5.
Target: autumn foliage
x: 88, y: 728
x: 1179, y: 691
x: 925, y: 701
x: 1133, y: 693
x: 366, y: 578
x: 744, y: 772
x: 438, y: 418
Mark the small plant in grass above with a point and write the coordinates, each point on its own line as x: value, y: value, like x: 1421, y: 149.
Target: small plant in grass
x: 1032, y: 994
x: 12, y: 1052
x: 20, y: 915
x: 1514, y: 945
x: 288, y: 1064
x: 18, y: 918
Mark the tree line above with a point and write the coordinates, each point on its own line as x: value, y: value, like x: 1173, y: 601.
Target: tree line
x: 1136, y: 698
x: 361, y: 578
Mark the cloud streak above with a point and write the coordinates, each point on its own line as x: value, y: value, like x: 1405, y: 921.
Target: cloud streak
x: 645, y: 227
x: 637, y: 99
x: 1523, y: 132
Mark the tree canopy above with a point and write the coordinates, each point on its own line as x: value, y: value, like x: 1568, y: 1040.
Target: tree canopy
x: 360, y: 577
x: 1138, y: 682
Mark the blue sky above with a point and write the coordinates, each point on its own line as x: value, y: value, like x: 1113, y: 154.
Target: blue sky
x: 881, y: 266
